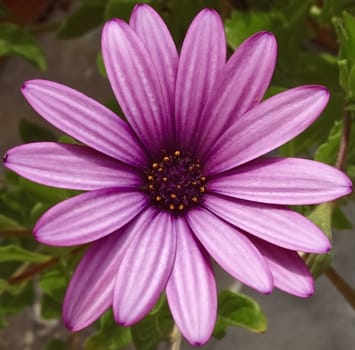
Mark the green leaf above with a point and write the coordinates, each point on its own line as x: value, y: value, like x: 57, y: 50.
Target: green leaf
x: 54, y: 282
x: 243, y: 24
x: 31, y: 132
x: 16, y: 253
x: 10, y: 305
x: 15, y: 41
x: 333, y: 8
x: 50, y: 308
x: 238, y: 310
x: 100, y: 65
x: 7, y: 223
x: 154, y: 328
x: 46, y: 194
x: 110, y: 336
x: 119, y: 9
x: 87, y: 16
x: 340, y: 221
x: 327, y: 152
x: 322, y: 217
x: 56, y: 344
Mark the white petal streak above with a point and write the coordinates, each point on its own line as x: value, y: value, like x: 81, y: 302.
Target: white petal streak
x: 289, y: 271
x: 145, y: 268
x: 231, y: 249
x: 191, y: 289
x: 70, y: 166
x: 88, y: 216
x: 290, y: 181
x: 90, y: 291
x: 84, y: 119
x: 277, y: 225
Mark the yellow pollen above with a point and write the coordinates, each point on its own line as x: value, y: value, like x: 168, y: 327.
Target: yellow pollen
x: 165, y: 179
x: 177, y: 153
x: 194, y: 183
x: 155, y: 165
x: 178, y: 187
x: 181, y: 206
x: 150, y: 177
x: 194, y: 199
x: 166, y: 159
x: 158, y: 198
x: 203, y: 178
x: 171, y: 206
x: 151, y: 186
x: 190, y: 168
x: 173, y: 195
x: 202, y: 189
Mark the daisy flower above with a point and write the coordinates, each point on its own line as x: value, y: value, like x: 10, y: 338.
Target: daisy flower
x: 182, y: 181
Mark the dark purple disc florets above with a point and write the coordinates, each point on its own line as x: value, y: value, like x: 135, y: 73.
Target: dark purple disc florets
x: 175, y: 183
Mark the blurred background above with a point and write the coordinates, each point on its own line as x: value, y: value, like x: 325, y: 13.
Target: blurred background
x: 60, y: 41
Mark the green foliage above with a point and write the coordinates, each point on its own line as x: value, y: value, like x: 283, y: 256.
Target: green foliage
x: 11, y: 304
x: 119, y: 9
x: 16, y: 41
x: 322, y: 217
x: 345, y: 29
x: 109, y: 336
x: 56, y: 344
x: 16, y: 253
x: 88, y: 15
x: 238, y: 310
x: 31, y: 132
x: 154, y: 328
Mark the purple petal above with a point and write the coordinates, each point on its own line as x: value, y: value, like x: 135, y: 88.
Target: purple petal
x: 88, y: 216
x: 241, y: 86
x: 84, y: 119
x: 69, y: 166
x: 289, y: 271
x: 156, y: 37
x: 231, y: 249
x: 283, y: 181
x: 267, y: 126
x: 136, y: 85
x: 278, y: 225
x: 90, y: 291
x: 202, y: 57
x: 145, y: 268
x: 191, y: 289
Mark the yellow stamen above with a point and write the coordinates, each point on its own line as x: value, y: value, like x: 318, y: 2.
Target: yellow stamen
x: 155, y: 165
x: 158, y: 198
x: 194, y: 199
x: 166, y: 159
x: 181, y: 206
x: 171, y: 206
x: 177, y: 153
x: 202, y: 189
x: 150, y: 177
x: 173, y: 195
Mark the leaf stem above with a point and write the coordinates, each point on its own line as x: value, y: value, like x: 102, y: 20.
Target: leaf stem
x: 16, y: 233
x: 33, y: 270
x: 342, y: 286
x: 175, y: 339
x: 344, y: 142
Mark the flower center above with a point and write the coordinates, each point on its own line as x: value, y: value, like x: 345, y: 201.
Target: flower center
x: 175, y: 183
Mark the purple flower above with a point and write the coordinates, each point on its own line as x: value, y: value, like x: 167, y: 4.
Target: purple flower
x: 183, y: 180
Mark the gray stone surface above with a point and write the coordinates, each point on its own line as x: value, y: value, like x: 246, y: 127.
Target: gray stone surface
x: 324, y: 321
